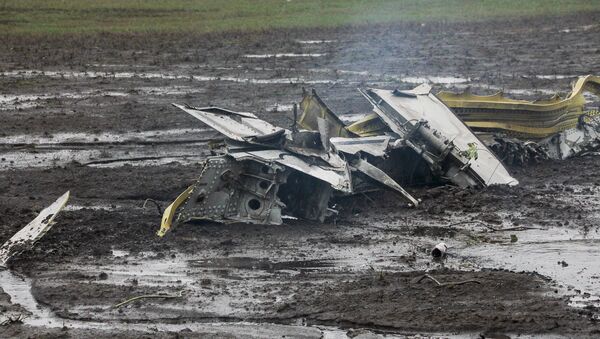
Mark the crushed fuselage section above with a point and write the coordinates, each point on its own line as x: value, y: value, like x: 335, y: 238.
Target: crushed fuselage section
x: 236, y: 191
x: 261, y: 173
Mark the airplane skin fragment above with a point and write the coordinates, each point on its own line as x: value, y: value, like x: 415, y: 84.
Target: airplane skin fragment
x: 380, y: 176
x: 169, y: 213
x: 312, y: 108
x: 529, y: 119
x: 433, y: 131
x: 234, y: 125
x: 30, y: 234
x: 235, y: 191
x: 338, y: 178
x: 376, y: 146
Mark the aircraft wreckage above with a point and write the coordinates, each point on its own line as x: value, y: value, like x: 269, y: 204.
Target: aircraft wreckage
x: 259, y: 173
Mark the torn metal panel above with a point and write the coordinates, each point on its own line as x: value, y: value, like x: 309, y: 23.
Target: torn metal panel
x: 382, y: 178
x: 30, y: 234
x: 337, y: 177
x: 235, y: 191
x: 312, y: 108
x: 368, y: 126
x: 530, y: 119
x: 376, y: 146
x: 323, y: 126
x: 251, y: 187
x: 238, y: 126
x: 434, y: 132
x: 169, y: 213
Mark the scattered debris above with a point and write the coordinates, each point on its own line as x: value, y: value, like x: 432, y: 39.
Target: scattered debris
x: 30, y: 234
x: 418, y: 280
x: 150, y: 296
x: 520, y: 131
x: 515, y: 152
x: 439, y: 250
x: 583, y: 138
x: 158, y: 207
x: 7, y: 318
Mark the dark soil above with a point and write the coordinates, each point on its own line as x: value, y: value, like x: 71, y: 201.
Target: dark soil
x: 488, y: 301
x: 325, y: 291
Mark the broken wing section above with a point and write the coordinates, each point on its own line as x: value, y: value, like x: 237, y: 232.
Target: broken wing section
x: 433, y: 131
x: 238, y: 126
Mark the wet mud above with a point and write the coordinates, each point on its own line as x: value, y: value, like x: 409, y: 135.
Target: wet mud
x: 92, y: 114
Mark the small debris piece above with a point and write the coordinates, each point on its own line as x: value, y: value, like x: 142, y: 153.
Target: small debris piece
x: 447, y: 283
x: 30, y: 234
x: 439, y: 250
x: 150, y: 296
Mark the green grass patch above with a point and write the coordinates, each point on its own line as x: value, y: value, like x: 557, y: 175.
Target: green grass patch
x: 92, y: 16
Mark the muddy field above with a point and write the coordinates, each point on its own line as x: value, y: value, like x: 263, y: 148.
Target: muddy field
x: 92, y: 114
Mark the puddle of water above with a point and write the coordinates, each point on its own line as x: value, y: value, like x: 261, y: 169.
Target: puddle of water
x: 555, y: 77
x: 169, y: 90
x: 19, y: 290
x: 158, y: 147
x: 285, y: 55
x: 312, y: 42
x: 91, y: 207
x: 261, y: 264
x: 280, y: 108
x: 142, y: 75
x: 119, y: 253
x: 493, y: 89
x: 114, y: 157
x: 435, y: 80
x: 11, y: 102
x: 107, y: 137
x: 579, y: 28
x: 563, y: 255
